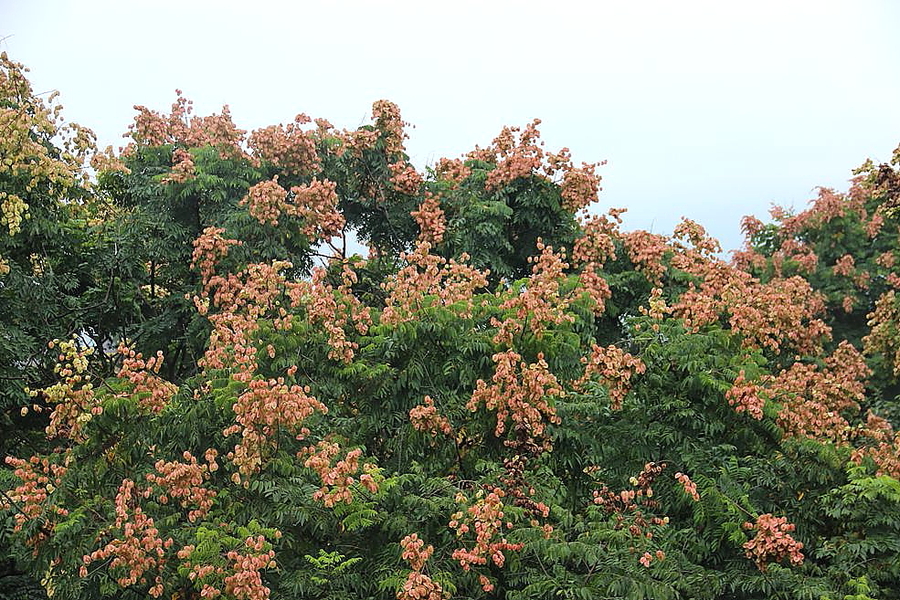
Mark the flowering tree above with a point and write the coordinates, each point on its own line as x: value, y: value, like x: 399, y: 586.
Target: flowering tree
x: 510, y: 396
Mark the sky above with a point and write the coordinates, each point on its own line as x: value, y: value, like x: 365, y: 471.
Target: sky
x: 706, y: 109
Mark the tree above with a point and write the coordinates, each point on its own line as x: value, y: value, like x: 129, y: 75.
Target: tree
x: 845, y: 245
x: 44, y: 246
x: 508, y: 397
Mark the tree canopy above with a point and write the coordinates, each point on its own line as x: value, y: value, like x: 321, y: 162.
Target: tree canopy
x: 205, y: 394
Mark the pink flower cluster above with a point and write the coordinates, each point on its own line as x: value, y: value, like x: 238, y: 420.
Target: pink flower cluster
x: 647, y: 558
x: 265, y: 409
x: 750, y: 226
x: 484, y: 518
x: 151, y: 128
x: 883, y: 446
x: 848, y: 303
x: 388, y: 122
x: 540, y: 304
x: 813, y: 400
x: 418, y: 586
x: 827, y: 206
x: 706, y: 303
x: 597, y: 242
x: 415, y: 552
x: 288, y: 147
x: 39, y: 477
x: 209, y: 249
x: 334, y: 309
x: 873, y: 227
x: 517, y: 154
x: 695, y: 236
x: 579, y: 187
x: 242, y: 299
x: 515, y: 159
x: 779, y: 315
x: 628, y: 506
x: 453, y: 171
x: 106, y: 161
x: 245, y: 582
x: 887, y: 260
x: 431, y: 220
x: 430, y: 280
x: 519, y: 392
x: 241, y: 579
x: 799, y: 253
x: 183, y: 168
x: 884, y: 332
x: 791, y: 257
x: 405, y: 178
x: 269, y: 407
x: 591, y: 251
x: 613, y: 368
x: 137, y: 549
x: 152, y: 391
x: 337, y: 479
x: 425, y: 417
x: 266, y: 201
x: 646, y: 251
x: 773, y: 542
x: 595, y: 287
x: 845, y: 266
x: 356, y: 141
x: 184, y: 481
x: 690, y: 488
x: 746, y: 397
x: 315, y: 203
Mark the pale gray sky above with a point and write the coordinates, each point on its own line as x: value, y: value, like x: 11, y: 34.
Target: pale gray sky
x: 708, y: 109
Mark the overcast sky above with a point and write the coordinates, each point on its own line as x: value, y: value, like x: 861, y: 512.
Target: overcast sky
x: 706, y: 109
